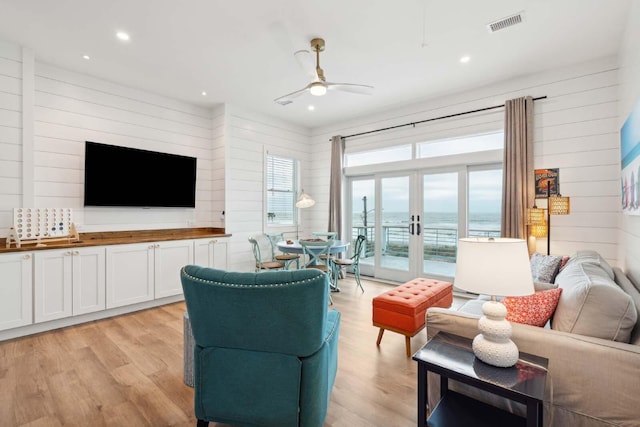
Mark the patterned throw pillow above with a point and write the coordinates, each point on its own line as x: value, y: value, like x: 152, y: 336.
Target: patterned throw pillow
x: 534, y: 309
x: 544, y: 268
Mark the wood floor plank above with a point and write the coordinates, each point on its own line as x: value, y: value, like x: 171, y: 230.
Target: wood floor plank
x: 128, y: 371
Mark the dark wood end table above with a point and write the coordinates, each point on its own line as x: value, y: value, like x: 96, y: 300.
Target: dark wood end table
x: 451, y: 357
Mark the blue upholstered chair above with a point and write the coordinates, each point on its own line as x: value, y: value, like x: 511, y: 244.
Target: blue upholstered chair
x: 266, y: 346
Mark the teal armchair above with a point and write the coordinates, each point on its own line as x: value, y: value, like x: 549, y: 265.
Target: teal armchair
x: 266, y: 346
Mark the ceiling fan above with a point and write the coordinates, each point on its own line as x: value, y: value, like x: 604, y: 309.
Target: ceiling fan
x: 319, y: 85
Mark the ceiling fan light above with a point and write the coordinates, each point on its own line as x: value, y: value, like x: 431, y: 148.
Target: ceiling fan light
x: 318, y: 89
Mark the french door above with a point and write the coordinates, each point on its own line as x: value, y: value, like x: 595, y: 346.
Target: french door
x: 413, y: 220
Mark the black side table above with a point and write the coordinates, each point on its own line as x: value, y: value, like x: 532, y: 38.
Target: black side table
x: 451, y: 357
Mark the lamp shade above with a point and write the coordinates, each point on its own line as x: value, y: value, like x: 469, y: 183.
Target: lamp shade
x: 494, y: 266
x: 304, y: 201
x: 538, y: 230
x: 559, y: 205
x: 535, y: 216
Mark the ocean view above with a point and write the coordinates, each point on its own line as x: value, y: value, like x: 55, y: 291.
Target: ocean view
x: 439, y: 220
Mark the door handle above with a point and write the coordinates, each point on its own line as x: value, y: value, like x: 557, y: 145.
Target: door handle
x: 411, y: 229
x: 418, y: 228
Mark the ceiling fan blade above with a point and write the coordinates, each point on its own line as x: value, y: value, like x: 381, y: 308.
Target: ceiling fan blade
x: 288, y: 99
x: 306, y: 62
x: 353, y: 88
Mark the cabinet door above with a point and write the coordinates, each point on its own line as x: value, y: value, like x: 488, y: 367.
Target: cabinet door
x: 88, y: 280
x: 211, y: 253
x: 52, y: 285
x: 170, y: 257
x: 130, y: 274
x: 16, y: 290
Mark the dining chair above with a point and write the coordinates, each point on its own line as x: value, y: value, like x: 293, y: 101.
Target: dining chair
x: 261, y: 264
x: 286, y: 258
x: 318, y: 256
x: 329, y: 235
x: 353, y: 261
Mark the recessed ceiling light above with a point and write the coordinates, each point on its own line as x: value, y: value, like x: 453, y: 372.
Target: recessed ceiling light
x: 204, y: 93
x: 465, y: 59
x: 123, y: 36
x: 311, y: 108
x: 86, y: 57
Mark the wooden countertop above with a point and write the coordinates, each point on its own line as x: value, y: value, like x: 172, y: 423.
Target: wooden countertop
x: 121, y: 237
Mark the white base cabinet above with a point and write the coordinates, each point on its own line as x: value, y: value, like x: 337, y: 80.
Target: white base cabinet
x: 169, y: 258
x: 16, y: 284
x: 49, y: 288
x: 144, y: 271
x: 68, y: 282
x: 211, y: 253
x: 130, y: 274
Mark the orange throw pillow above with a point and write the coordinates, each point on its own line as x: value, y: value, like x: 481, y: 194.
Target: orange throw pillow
x: 534, y: 309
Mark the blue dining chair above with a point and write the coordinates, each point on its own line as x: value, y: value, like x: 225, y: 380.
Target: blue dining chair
x: 353, y: 262
x: 317, y: 255
x: 278, y: 256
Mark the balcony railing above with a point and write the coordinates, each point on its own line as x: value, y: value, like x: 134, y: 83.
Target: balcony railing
x: 439, y: 244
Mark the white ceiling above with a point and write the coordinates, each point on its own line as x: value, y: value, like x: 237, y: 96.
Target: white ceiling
x: 241, y: 51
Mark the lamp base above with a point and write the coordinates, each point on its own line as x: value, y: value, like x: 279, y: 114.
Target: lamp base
x: 493, y: 345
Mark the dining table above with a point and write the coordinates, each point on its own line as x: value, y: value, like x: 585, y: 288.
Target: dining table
x: 338, y: 246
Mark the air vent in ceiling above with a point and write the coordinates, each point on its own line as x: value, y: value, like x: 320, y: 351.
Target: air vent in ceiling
x: 507, y: 22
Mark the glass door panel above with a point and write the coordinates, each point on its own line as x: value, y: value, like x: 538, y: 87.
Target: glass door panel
x: 485, y: 203
x: 363, y: 220
x: 440, y: 224
x: 394, y: 242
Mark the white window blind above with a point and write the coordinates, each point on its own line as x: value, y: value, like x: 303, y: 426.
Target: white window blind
x: 281, y: 183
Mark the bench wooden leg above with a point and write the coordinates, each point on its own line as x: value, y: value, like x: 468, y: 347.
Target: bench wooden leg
x: 380, y: 336
x: 407, y: 344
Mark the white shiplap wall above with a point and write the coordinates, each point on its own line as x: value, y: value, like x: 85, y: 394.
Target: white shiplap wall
x: 249, y: 135
x: 10, y: 133
x: 70, y: 108
x: 629, y: 58
x: 575, y: 130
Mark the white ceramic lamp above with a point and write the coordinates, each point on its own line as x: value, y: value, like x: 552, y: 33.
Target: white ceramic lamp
x: 496, y: 267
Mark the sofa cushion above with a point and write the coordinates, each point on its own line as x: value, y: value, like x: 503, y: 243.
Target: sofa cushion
x: 535, y: 310
x: 590, y: 257
x: 591, y: 303
x: 544, y: 268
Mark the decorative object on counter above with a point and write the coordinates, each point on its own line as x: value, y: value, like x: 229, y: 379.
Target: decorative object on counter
x: 493, y: 345
x: 41, y: 226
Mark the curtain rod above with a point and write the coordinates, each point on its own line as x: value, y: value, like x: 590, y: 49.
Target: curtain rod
x: 430, y: 120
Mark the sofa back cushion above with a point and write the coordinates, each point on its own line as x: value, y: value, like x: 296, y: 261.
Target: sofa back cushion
x: 591, y: 303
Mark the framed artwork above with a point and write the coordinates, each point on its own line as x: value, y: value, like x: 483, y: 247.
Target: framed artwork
x: 547, y: 182
x: 630, y: 162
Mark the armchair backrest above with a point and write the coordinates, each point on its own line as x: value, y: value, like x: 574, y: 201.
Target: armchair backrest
x: 275, y: 311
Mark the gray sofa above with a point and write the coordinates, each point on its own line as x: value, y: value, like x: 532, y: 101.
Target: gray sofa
x: 592, y: 343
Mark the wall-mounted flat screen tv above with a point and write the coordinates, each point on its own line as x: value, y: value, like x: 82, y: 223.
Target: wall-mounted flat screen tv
x: 121, y: 176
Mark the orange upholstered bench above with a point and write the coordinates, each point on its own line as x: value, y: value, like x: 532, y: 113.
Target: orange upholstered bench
x: 402, y: 309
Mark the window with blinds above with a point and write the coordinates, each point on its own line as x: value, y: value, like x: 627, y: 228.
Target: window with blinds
x: 281, y: 182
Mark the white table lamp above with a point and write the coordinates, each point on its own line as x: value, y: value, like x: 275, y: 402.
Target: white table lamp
x: 496, y: 267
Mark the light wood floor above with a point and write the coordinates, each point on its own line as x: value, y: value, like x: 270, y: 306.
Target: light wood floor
x: 127, y: 371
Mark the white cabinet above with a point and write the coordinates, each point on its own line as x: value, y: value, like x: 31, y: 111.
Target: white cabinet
x: 143, y: 271
x: 170, y: 257
x: 129, y: 274
x: 68, y: 282
x: 211, y: 253
x: 16, y: 290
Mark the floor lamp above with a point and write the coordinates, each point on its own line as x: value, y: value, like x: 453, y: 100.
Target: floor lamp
x: 304, y: 201
x: 558, y: 205
x: 537, y: 222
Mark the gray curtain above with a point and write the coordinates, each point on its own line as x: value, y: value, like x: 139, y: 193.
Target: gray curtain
x: 335, y: 185
x: 517, y: 180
